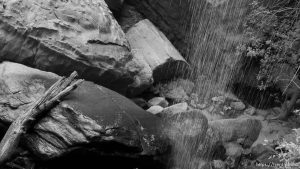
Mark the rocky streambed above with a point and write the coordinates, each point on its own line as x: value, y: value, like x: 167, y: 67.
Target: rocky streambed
x: 137, y: 108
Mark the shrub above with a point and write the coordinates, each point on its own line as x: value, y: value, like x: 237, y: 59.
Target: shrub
x: 272, y: 34
x: 291, y: 156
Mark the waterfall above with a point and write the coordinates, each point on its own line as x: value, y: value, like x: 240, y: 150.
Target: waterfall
x: 214, y: 29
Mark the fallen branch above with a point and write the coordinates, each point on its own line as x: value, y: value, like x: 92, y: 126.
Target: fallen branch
x: 54, y: 94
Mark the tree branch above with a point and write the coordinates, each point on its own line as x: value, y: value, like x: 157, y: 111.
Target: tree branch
x: 54, y: 94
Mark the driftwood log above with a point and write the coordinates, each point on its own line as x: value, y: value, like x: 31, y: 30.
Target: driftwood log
x: 151, y: 48
x: 27, y: 120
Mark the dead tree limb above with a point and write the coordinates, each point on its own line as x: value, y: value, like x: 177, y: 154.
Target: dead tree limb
x: 54, y: 94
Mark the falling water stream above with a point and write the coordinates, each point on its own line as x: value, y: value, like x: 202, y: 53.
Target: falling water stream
x: 213, y: 32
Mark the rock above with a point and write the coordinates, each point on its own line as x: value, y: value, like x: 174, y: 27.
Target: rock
x: 194, y: 100
x: 178, y: 90
x: 174, y: 109
x: 202, y: 106
x: 187, y: 132
x: 219, y: 99
x: 63, y: 36
x: 261, y: 152
x: 265, y: 154
x: 152, y: 49
x: 158, y: 101
x: 115, y: 6
x: 187, y: 85
x: 240, y: 128
x: 233, y: 149
x: 250, y: 111
x: 219, y: 164
x: 191, y: 136
x: 19, y: 87
x: 141, y: 102
x: 176, y: 94
x: 155, y: 109
x: 238, y: 105
x: 129, y: 17
x: 202, y: 164
x: 88, y: 119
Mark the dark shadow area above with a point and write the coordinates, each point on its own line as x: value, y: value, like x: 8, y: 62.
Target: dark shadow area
x: 80, y: 159
x: 262, y: 99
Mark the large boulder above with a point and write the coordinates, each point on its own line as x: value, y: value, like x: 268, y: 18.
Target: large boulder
x: 192, y: 138
x: 242, y: 130
x: 63, y: 36
x: 92, y: 117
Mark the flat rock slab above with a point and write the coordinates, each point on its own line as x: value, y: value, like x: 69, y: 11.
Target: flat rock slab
x: 91, y: 117
x: 63, y: 36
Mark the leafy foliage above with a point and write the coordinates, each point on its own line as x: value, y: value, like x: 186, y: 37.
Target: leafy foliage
x: 273, y: 36
x: 291, y: 156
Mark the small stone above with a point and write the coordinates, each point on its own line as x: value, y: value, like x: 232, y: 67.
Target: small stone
x: 238, y: 105
x: 187, y: 85
x: 194, y: 96
x: 155, y: 109
x: 219, y: 164
x: 201, y: 106
x: 247, y: 151
x: 193, y: 103
x: 262, y: 152
x: 178, y: 90
x: 250, y: 111
x: 176, y: 108
x: 176, y: 94
x: 141, y: 102
x: 220, y: 99
x: 158, y: 101
x: 240, y: 140
x: 233, y: 149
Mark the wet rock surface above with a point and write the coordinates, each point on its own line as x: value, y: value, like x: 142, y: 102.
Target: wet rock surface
x: 155, y: 109
x: 158, y: 101
x: 188, y: 123
x: 246, y: 129
x: 177, y: 90
x: 62, y: 36
x: 100, y: 124
x: 91, y: 118
x: 174, y: 109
